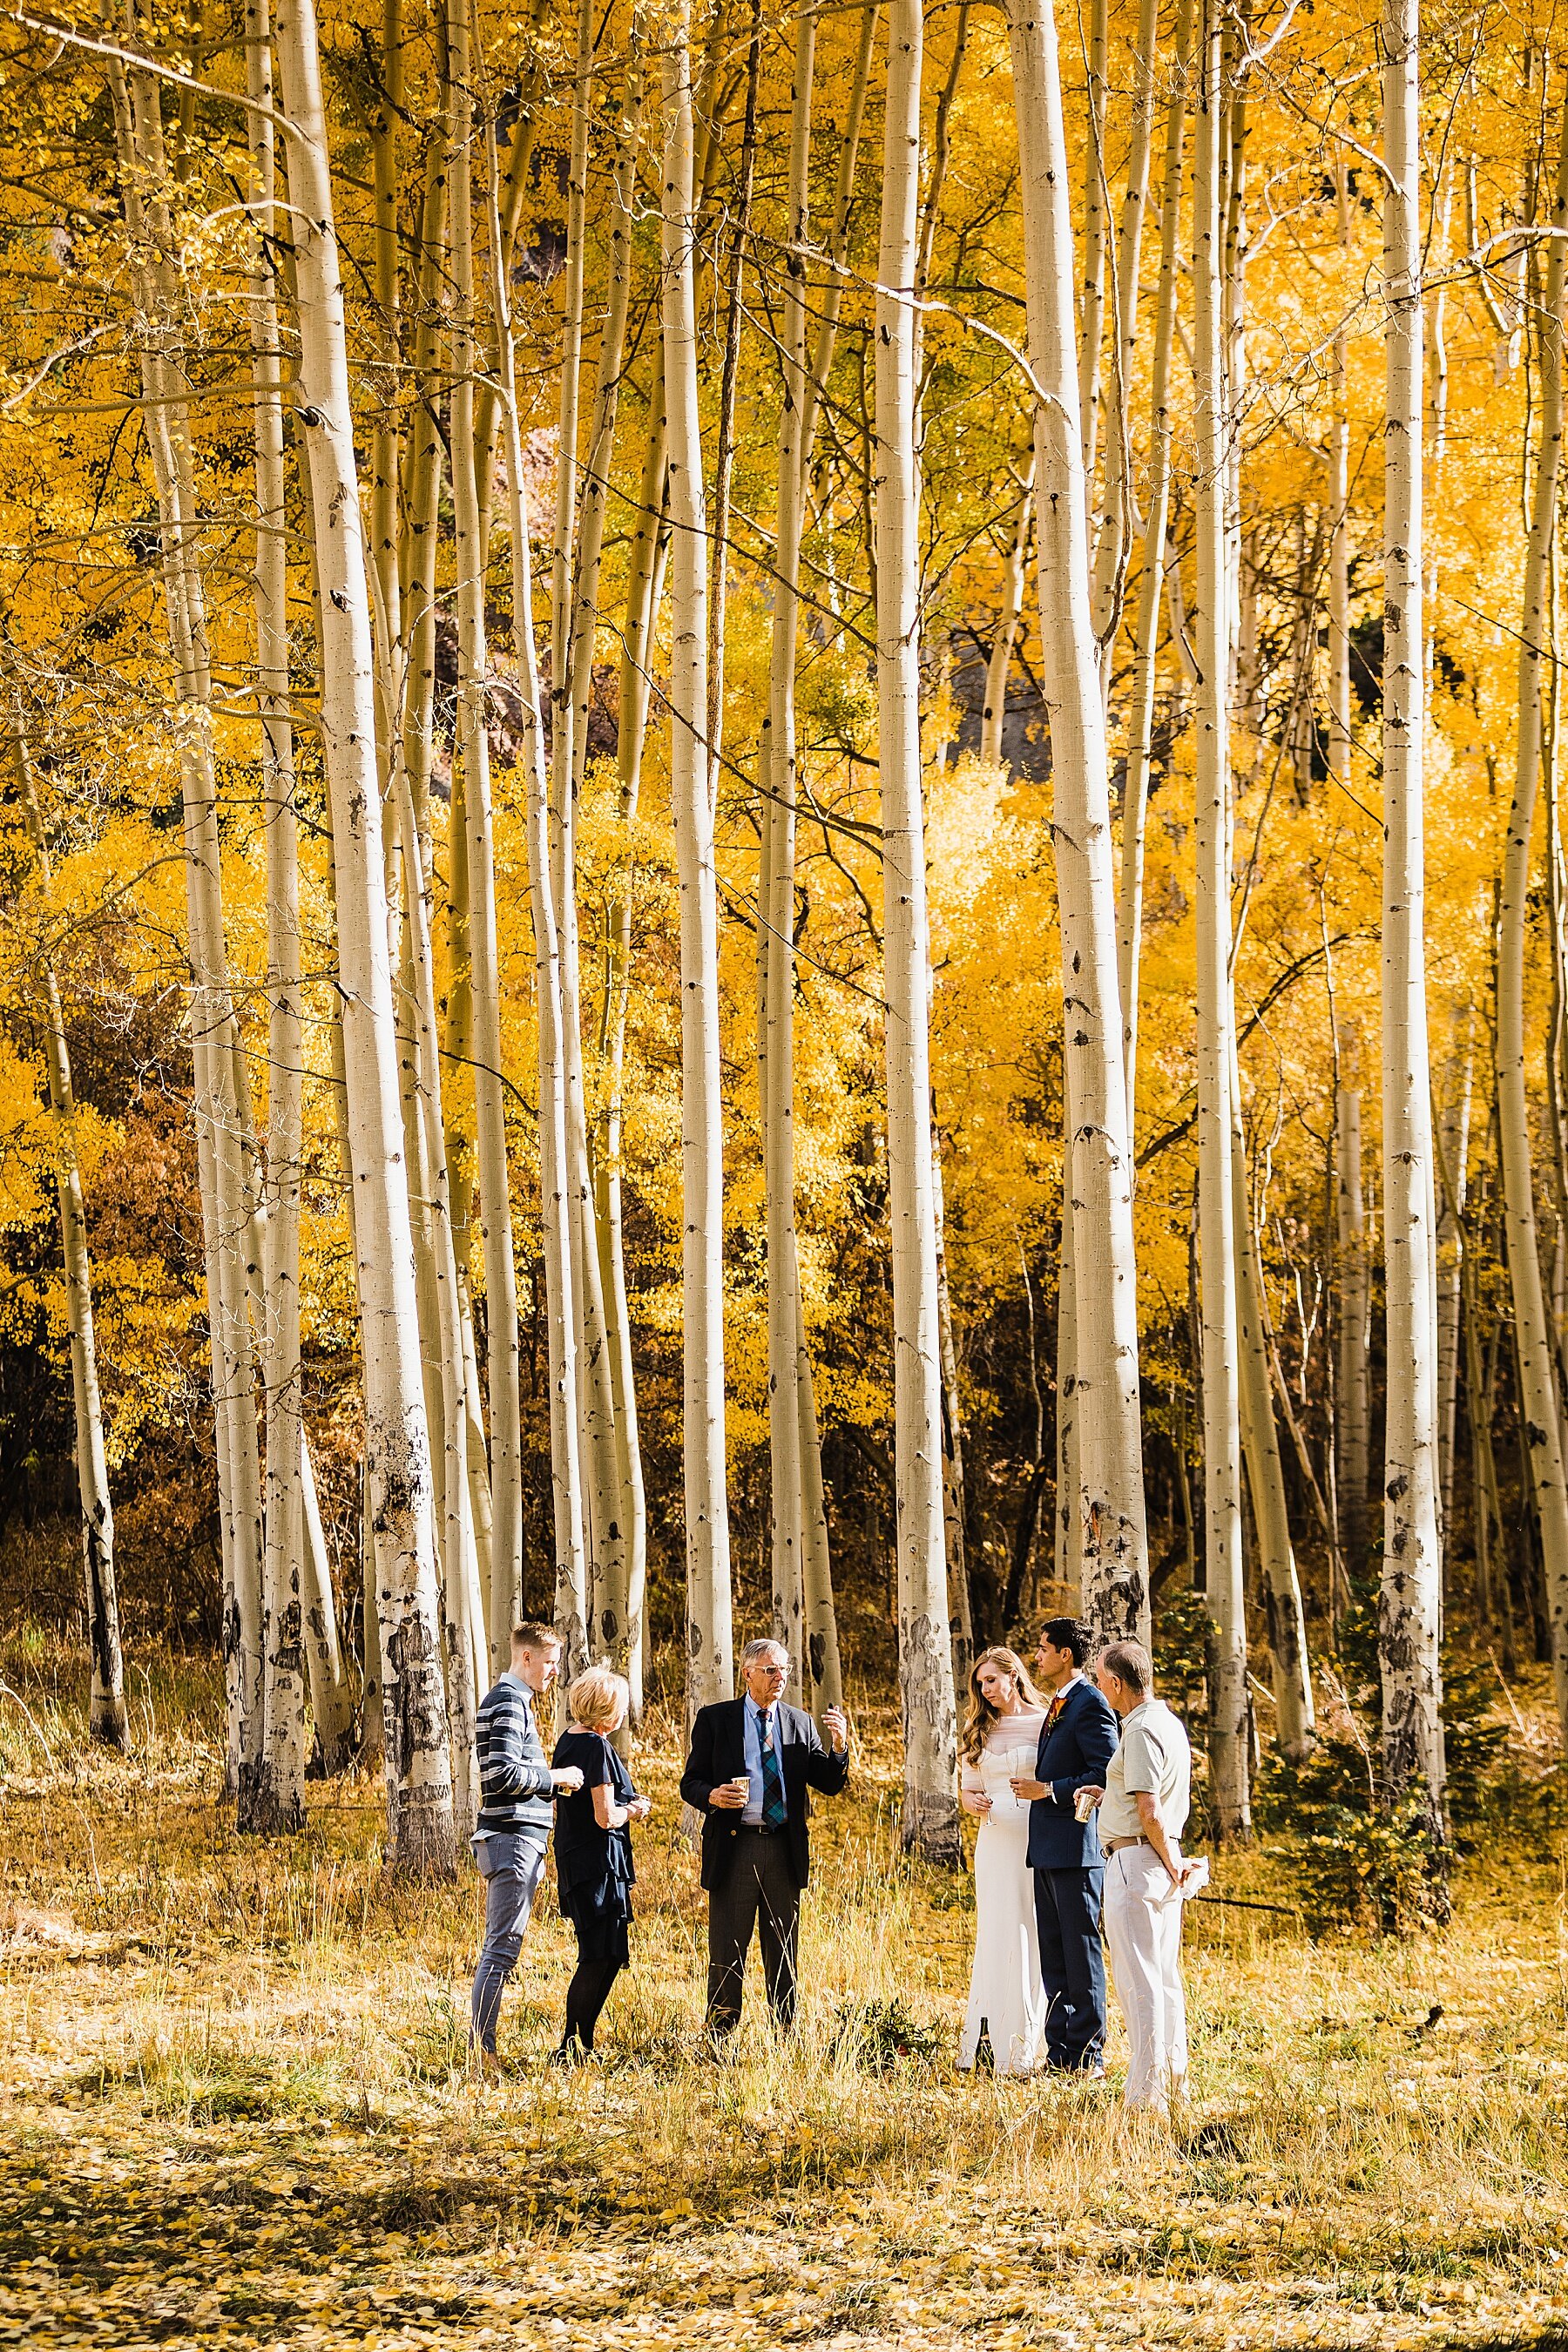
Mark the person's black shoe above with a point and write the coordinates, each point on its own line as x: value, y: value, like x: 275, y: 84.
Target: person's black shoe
x: 571, y: 2054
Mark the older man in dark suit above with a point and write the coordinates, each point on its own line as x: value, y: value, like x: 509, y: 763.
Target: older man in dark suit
x: 751, y: 1763
x: 1076, y: 1744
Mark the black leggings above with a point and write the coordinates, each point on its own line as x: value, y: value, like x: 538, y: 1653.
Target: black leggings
x: 585, y: 1997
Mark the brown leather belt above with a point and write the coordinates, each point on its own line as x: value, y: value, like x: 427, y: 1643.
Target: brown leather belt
x: 1114, y: 1845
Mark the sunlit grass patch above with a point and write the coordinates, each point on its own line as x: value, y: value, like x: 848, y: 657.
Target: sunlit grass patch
x: 243, y: 2074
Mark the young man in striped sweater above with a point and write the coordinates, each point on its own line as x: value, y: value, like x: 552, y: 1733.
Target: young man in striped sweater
x: 517, y: 1789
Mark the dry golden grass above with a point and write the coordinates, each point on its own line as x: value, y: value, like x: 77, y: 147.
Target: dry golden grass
x: 236, y: 2107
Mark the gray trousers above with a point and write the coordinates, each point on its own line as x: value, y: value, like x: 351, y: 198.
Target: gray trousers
x: 758, y: 1893
x: 512, y: 1868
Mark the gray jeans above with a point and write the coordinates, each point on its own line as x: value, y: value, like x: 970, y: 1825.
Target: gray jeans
x: 512, y: 1868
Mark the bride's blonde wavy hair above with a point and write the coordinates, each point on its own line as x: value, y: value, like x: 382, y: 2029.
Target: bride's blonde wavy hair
x: 982, y: 1715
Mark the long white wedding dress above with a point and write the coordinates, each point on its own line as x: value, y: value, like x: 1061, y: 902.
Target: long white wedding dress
x: 1006, y: 2001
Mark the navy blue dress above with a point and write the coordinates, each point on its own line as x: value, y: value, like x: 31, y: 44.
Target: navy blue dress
x: 593, y: 1866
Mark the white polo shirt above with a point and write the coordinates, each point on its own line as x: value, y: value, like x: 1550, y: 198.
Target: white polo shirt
x: 1153, y: 1757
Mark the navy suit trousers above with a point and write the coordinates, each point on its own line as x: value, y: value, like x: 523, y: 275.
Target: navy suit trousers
x: 1072, y: 1965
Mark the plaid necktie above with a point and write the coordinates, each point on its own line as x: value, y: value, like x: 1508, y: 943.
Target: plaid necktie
x: 775, y: 1814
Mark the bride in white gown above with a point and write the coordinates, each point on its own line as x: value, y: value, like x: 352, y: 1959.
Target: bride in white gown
x: 1001, y: 1739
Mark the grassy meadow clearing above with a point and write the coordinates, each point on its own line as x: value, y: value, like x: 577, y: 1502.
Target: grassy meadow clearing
x: 235, y: 2104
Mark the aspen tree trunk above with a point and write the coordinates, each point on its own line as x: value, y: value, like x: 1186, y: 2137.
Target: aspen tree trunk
x: 1353, y: 1403
x: 800, y: 1558
x: 995, y: 711
x: 383, y: 520
x: 465, y: 1643
x: 1091, y: 314
x: 620, y: 1559
x: 1410, y: 1603
x: 164, y: 384
x: 740, y: 230
x: 603, y: 1527
x: 1218, y: 1240
x: 503, y: 1599
x: 709, y: 1670
x: 106, y: 1717
x: 959, y: 1611
x: 279, y: 1800
x: 453, y: 1403
x: 1141, y: 721
x: 644, y: 577
x: 1540, y: 1403
x: 420, y: 503
x: 420, y: 1822
x: 1108, y: 1540
x: 332, y: 1687
x: 1453, y: 1140
x: 925, y: 1659
x: 567, y: 1480
x: 821, y: 1617
x: 830, y: 295
x: 1066, y: 1550
x: 1339, y: 520
x: 1294, y: 1713
x: 1111, y: 554
x: 1483, y: 1465
x: 775, y: 906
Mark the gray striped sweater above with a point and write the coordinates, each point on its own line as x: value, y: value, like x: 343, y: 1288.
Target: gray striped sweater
x: 514, y: 1770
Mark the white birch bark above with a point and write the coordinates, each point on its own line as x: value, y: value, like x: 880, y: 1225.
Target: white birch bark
x: 1109, y: 1541
x: 1453, y: 1154
x: 1540, y: 1403
x: 1295, y: 1723
x: 830, y: 293
x: 1140, y: 716
x: 279, y: 1800
x: 418, y: 1767
x: 646, y: 570
x: 776, y: 905
x: 1015, y: 573
x: 929, y: 1823
x: 602, y: 1519
x: 1065, y: 1547
x: 504, y: 1598
x: 822, y: 1657
x: 1091, y: 312
x: 708, y: 1600
x: 1410, y: 1601
x: 617, y: 1469
x: 1110, y: 552
x: 106, y: 1716
x: 1217, y: 1238
x: 1339, y: 747
x: 960, y: 1615
x: 332, y: 1687
x: 567, y: 1480
x: 1352, y: 1398
x: 164, y: 387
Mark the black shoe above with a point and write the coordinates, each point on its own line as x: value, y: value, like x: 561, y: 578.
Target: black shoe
x: 571, y: 2054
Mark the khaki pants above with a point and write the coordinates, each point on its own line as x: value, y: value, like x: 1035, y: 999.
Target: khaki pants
x: 1144, y: 1933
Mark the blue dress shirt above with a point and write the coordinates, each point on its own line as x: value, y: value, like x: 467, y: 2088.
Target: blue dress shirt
x: 755, y: 1718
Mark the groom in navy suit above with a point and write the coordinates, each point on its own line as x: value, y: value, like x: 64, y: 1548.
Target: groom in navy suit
x: 1075, y: 1746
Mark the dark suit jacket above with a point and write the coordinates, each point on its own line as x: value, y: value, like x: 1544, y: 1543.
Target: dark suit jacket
x: 1073, y: 1755
x: 718, y: 1754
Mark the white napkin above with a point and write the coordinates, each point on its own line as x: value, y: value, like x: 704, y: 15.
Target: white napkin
x: 1198, y: 1867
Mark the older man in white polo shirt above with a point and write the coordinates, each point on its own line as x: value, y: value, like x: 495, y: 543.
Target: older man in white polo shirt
x: 1144, y: 1810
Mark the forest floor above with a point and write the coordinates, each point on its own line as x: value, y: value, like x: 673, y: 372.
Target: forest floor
x: 234, y: 2106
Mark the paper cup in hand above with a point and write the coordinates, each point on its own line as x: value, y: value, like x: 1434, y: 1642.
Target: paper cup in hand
x: 1083, y: 1805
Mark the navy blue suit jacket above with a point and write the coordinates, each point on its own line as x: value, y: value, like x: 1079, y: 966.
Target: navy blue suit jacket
x: 1073, y: 1755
